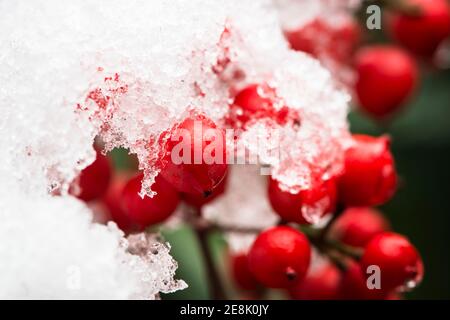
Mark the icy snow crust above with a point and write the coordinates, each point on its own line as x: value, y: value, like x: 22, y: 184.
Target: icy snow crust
x: 127, y: 71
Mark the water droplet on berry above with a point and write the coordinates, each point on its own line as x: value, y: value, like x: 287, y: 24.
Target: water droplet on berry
x: 414, y: 280
x: 314, y: 214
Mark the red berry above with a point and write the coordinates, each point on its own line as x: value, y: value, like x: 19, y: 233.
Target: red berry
x: 257, y: 101
x: 148, y: 211
x: 195, y: 157
x: 353, y: 285
x: 358, y: 225
x: 399, y: 262
x: 319, y: 37
x: 306, y: 206
x: 241, y: 272
x: 199, y: 200
x: 394, y: 296
x: 320, y: 284
x: 113, y: 202
x: 424, y: 32
x: 279, y: 257
x: 386, y: 78
x: 94, y: 180
x: 369, y: 176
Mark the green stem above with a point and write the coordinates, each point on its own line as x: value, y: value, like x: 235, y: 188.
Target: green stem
x: 352, y: 252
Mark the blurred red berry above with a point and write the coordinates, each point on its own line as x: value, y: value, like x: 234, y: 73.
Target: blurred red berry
x: 241, y: 272
x: 358, y: 225
x: 149, y: 211
x: 306, y: 205
x: 369, y: 176
x: 398, y: 260
x: 279, y: 257
x: 114, y: 203
x: 94, y: 179
x: 423, y: 32
x: 258, y: 101
x: 322, y: 38
x: 386, y: 78
x: 199, y: 200
x: 394, y: 296
x: 195, y: 158
x: 322, y: 283
x: 353, y: 285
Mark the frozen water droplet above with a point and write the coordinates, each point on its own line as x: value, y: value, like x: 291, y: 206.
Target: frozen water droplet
x: 416, y: 273
x: 315, y: 214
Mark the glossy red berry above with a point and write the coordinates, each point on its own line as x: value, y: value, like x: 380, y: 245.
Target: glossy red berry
x: 143, y: 212
x: 322, y: 283
x: 354, y: 286
x: 94, y: 179
x: 195, y: 157
x: 279, y: 257
x: 399, y: 262
x: 306, y: 206
x: 114, y: 203
x: 242, y: 276
x: 423, y: 32
x: 199, y: 200
x: 386, y: 78
x: 258, y: 101
x: 358, y: 225
x: 369, y: 176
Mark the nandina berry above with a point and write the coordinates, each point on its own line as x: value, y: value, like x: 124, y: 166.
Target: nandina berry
x: 354, y: 286
x: 94, y: 179
x: 423, y: 31
x: 306, y: 206
x: 369, y: 176
x: 114, y: 203
x: 199, y: 200
x: 386, y: 78
x: 195, y: 156
x: 320, y: 37
x: 323, y: 283
x: 143, y: 212
x: 279, y: 257
x: 240, y: 271
x: 358, y: 225
x: 399, y: 262
x: 258, y: 101
x: 394, y: 296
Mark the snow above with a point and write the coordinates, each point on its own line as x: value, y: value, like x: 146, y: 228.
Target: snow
x: 294, y: 14
x: 126, y: 71
x: 50, y: 249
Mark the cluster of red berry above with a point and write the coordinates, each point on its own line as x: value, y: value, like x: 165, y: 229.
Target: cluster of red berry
x: 279, y: 258
x: 387, y: 74
x: 357, y: 236
x: 194, y: 183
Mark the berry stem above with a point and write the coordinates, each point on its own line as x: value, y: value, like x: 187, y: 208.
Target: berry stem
x: 353, y: 252
x: 324, y: 232
x: 214, y: 281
